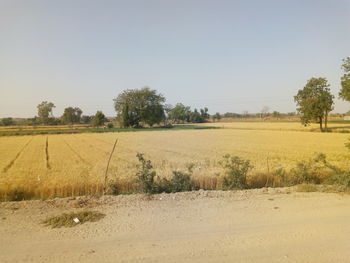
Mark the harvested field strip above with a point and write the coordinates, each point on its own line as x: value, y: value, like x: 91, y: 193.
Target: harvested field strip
x: 47, y: 153
x: 7, y: 167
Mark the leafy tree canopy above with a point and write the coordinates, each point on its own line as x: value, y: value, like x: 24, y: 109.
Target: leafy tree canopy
x: 138, y: 106
x: 314, y: 101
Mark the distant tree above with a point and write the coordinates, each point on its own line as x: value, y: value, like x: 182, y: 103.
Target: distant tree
x: 345, y: 81
x: 179, y: 113
x: 315, y: 101
x: 216, y: 116
x: 139, y: 105
x: 86, y: 119
x: 204, y: 113
x: 45, y: 111
x: 71, y: 115
x: 98, y: 119
x: 276, y: 114
x: 7, y: 121
x: 264, y: 111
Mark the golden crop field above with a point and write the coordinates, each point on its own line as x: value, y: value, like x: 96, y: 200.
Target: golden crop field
x: 63, y: 165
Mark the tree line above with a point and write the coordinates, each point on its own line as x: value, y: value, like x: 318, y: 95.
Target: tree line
x: 139, y: 107
x: 134, y: 107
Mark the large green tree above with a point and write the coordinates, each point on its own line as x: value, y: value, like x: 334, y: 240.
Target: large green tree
x: 71, y: 115
x: 137, y: 106
x: 314, y: 102
x: 345, y: 81
x: 98, y: 119
x: 45, y: 111
x: 179, y: 113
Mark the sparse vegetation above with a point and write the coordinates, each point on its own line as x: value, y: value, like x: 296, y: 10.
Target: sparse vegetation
x: 67, y: 219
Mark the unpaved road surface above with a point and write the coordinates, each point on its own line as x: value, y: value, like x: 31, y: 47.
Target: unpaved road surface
x: 266, y: 225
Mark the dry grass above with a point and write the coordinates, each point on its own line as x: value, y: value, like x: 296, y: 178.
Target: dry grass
x: 67, y: 219
x: 74, y: 164
x: 307, y: 188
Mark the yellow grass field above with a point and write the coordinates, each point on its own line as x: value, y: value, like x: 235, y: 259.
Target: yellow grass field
x: 63, y: 165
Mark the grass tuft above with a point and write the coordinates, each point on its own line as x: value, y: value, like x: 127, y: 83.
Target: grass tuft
x: 66, y: 219
x: 307, y: 188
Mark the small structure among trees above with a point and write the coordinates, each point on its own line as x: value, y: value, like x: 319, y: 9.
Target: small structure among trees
x: 314, y: 102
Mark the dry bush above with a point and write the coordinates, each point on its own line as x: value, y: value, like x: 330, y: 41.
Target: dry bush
x: 66, y: 219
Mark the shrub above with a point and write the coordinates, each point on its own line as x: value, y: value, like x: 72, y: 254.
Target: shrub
x: 312, y: 171
x: 145, y: 177
x: 236, y: 172
x: 110, y: 125
x: 180, y: 182
x: 19, y: 194
x: 341, y: 179
x: 148, y: 181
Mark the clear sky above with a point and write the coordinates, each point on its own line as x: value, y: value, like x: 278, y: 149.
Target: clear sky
x: 226, y: 55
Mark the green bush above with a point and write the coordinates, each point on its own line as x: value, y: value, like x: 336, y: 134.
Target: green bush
x: 149, y: 182
x: 145, y: 177
x: 236, y: 172
x: 180, y: 182
x: 313, y: 171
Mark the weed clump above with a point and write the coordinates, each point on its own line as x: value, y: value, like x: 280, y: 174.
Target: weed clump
x: 67, y: 219
x: 19, y: 194
x: 236, y: 170
x: 145, y: 177
x: 150, y: 183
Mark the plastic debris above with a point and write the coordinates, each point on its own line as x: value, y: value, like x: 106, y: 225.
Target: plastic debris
x: 76, y: 220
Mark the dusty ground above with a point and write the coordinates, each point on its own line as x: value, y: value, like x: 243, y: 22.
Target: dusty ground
x: 266, y: 225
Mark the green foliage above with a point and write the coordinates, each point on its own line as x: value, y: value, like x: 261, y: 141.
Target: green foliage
x: 216, y: 116
x: 148, y: 182
x: 145, y: 177
x: 313, y: 170
x: 45, y: 112
x: 110, y: 125
x: 86, y: 119
x: 71, y: 115
x: 99, y: 119
x: 180, y: 113
x: 139, y: 105
x: 314, y: 101
x: 7, y: 122
x: 345, y: 81
x: 180, y: 182
x: 236, y: 172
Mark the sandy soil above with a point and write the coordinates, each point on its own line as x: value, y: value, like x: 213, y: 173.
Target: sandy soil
x: 266, y: 225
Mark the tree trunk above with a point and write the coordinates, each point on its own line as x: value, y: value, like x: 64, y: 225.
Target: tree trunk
x: 321, y: 128
x: 325, y: 121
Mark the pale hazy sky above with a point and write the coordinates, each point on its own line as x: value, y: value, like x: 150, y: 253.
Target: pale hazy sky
x: 226, y: 55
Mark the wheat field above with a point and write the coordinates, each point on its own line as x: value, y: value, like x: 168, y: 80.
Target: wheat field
x: 73, y: 164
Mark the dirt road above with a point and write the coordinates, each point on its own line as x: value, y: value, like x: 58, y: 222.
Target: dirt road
x: 266, y: 225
